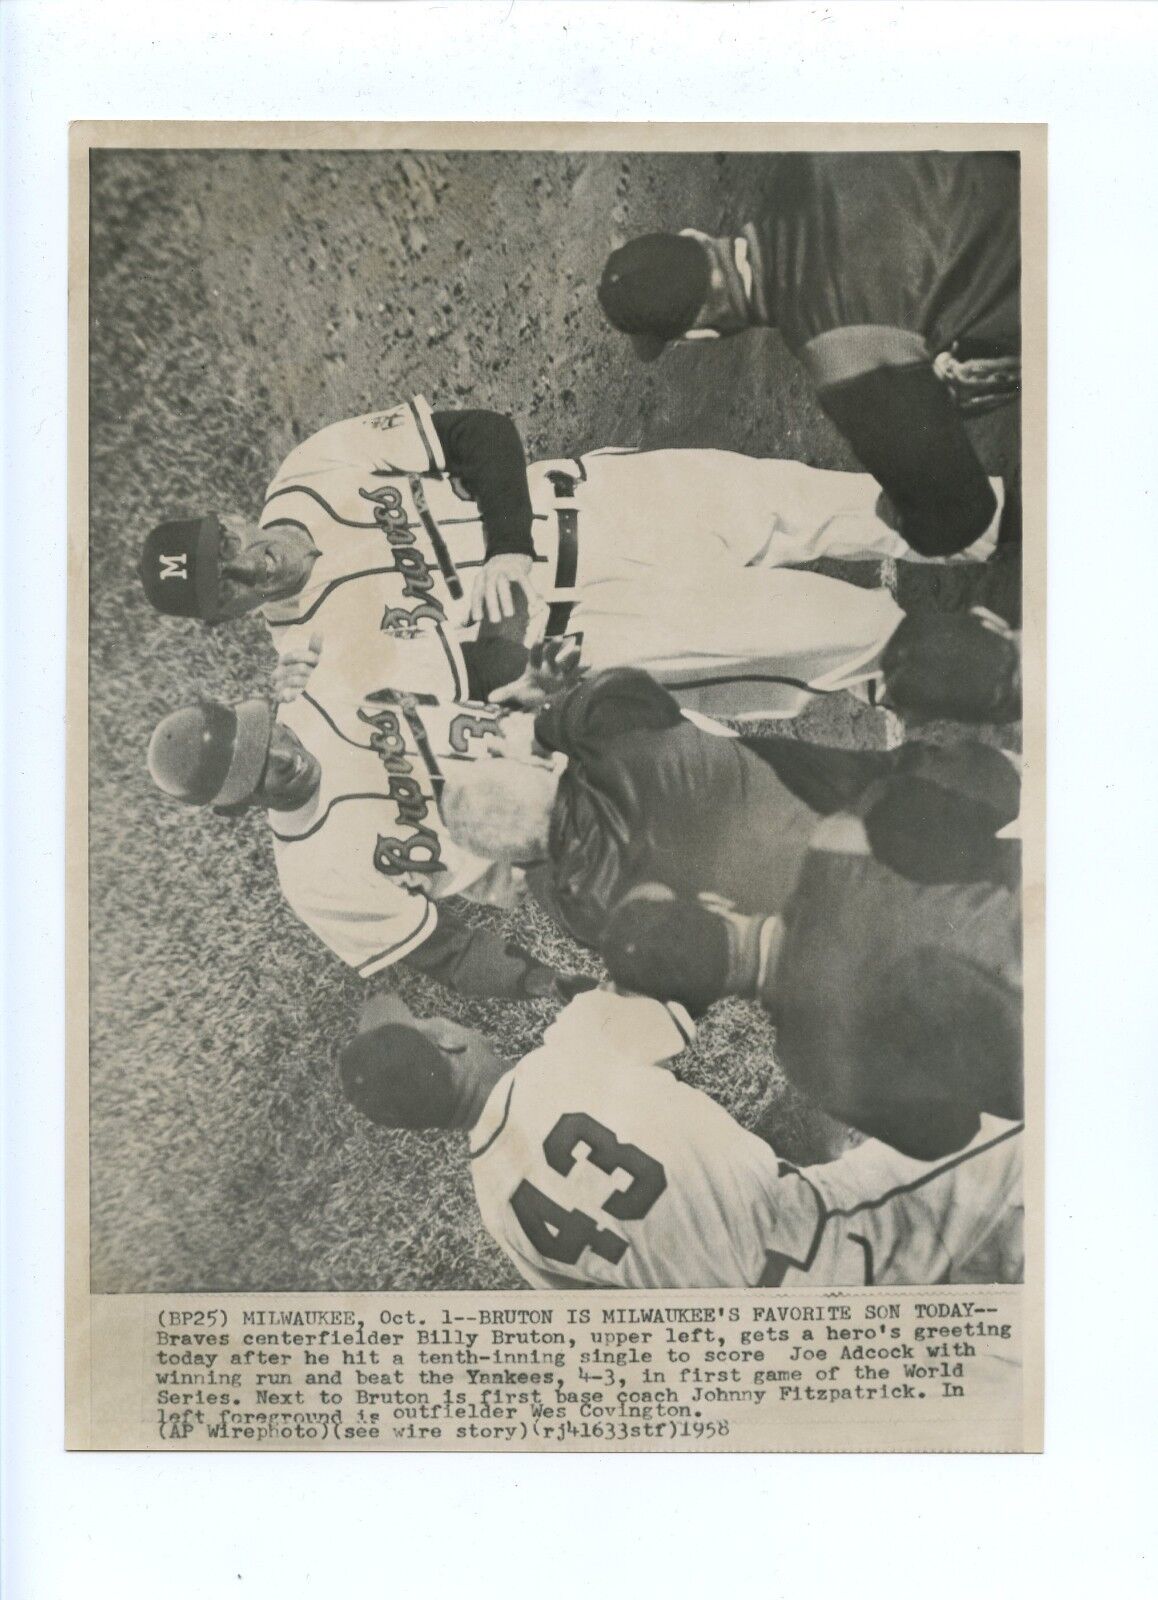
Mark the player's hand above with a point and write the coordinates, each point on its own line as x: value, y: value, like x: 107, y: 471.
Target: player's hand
x: 293, y: 670
x: 553, y: 667
x: 989, y: 619
x: 495, y: 585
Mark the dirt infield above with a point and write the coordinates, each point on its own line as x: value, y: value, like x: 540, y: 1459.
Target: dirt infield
x: 239, y: 302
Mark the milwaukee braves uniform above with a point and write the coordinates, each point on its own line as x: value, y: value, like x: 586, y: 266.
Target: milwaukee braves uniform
x: 594, y: 1165
x: 672, y: 560
x: 364, y: 862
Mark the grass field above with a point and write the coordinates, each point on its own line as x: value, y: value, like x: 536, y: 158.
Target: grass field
x: 239, y: 302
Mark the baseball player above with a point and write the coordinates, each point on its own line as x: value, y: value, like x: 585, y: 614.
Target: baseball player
x: 376, y: 530
x: 593, y: 1165
x: 636, y: 791
x: 895, y: 278
x: 895, y: 985
x: 352, y: 804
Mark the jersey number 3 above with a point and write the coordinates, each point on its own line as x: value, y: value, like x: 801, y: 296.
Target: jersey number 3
x: 562, y: 1235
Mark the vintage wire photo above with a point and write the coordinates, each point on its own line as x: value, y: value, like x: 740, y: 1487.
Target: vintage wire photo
x: 557, y: 754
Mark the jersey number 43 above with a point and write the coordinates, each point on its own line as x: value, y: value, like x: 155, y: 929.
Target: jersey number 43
x: 562, y: 1235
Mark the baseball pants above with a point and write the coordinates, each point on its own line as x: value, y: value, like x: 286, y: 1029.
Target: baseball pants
x: 682, y: 569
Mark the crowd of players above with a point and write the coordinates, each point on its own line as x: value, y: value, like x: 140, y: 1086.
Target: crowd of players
x: 616, y: 629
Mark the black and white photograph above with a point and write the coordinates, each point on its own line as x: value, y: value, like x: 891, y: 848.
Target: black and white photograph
x: 555, y: 717
x: 577, y: 896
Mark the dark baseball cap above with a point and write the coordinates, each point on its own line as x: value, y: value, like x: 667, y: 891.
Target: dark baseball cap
x: 180, y: 567
x: 952, y: 665
x: 653, y: 288
x: 397, y: 1077
x: 671, y: 949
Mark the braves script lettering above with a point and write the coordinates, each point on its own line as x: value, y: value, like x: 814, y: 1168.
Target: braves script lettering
x: 390, y: 515
x: 422, y: 852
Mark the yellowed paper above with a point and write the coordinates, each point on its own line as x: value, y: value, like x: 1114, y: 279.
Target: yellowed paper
x: 252, y: 1264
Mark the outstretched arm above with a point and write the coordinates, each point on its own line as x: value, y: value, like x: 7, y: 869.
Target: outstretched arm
x: 485, y: 455
x: 481, y: 963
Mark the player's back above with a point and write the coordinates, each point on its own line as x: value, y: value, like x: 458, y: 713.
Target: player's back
x: 926, y: 241
x: 891, y: 1219
x: 593, y: 1164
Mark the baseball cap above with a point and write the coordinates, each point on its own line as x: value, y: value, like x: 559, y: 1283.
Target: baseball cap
x: 667, y: 948
x: 180, y: 567
x: 398, y: 1078
x: 653, y: 288
x: 950, y: 665
x: 210, y: 754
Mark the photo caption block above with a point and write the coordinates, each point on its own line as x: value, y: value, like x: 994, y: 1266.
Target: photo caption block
x: 924, y: 1369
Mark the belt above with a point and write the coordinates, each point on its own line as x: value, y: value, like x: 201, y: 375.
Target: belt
x: 567, y: 560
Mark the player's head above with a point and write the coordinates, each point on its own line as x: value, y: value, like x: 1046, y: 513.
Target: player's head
x: 216, y: 568
x: 421, y: 1074
x: 231, y: 757
x: 501, y: 809
x: 653, y: 289
x: 657, y: 944
x: 967, y: 667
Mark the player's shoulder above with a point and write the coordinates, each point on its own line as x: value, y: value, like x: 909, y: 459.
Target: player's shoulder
x: 402, y: 438
x: 494, y: 1118
x: 604, y: 1025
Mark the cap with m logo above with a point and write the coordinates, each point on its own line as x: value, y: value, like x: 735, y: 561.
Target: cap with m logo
x: 180, y: 567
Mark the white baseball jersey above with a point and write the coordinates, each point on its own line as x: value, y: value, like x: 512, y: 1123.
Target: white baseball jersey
x: 363, y: 862
x: 681, y: 566
x: 399, y: 541
x: 594, y: 1165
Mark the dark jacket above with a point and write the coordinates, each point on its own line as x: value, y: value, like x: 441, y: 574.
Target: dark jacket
x: 898, y: 1005
x: 649, y: 796
x: 897, y: 997
x: 872, y: 265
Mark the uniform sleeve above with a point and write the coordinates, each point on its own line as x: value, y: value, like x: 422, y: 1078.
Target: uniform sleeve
x: 631, y: 1027
x: 905, y: 430
x: 373, y: 931
x: 403, y: 439
x: 483, y: 451
x: 623, y: 700
x: 481, y: 963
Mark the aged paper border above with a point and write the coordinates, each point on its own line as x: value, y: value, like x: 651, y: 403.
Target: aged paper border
x: 1030, y: 140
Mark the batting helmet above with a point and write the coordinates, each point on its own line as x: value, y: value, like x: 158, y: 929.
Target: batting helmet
x: 210, y: 754
x: 180, y: 567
